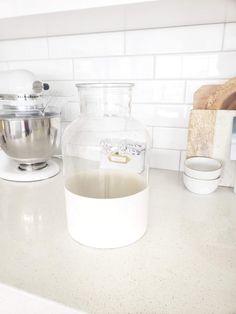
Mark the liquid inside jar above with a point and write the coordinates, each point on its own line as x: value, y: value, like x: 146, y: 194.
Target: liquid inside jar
x: 105, y: 184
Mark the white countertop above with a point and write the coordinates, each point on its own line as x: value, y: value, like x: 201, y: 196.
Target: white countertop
x: 185, y: 263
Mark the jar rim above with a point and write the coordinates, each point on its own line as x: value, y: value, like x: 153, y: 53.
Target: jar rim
x: 111, y: 85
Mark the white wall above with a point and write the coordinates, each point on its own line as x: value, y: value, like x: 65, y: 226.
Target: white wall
x: 12, y: 8
x: 166, y: 64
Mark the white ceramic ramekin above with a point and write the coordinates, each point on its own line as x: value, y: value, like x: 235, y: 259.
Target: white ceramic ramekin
x: 200, y: 186
x: 203, y: 168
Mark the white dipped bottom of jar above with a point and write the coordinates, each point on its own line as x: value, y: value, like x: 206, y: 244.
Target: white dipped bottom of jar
x: 106, y: 208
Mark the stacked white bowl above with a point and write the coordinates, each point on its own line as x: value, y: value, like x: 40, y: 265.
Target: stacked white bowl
x: 202, y: 174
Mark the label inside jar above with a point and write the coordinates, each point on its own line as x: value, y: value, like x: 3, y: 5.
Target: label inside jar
x: 122, y: 154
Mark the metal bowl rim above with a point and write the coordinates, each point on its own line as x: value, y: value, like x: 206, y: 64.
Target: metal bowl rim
x: 13, y: 117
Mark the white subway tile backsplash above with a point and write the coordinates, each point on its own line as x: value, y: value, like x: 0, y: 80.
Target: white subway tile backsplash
x: 165, y: 91
x: 196, y: 66
x: 24, y: 49
x: 168, y: 66
x: 230, y: 36
x: 103, y: 44
x: 176, y: 39
x: 47, y: 69
x: 213, y: 65
x: 162, y: 115
x: 63, y: 88
x: 3, y: 66
x: 200, y: 65
x: 114, y: 68
x: 164, y: 159
x: 222, y: 65
x: 193, y: 85
x: 170, y: 138
x: 60, y: 103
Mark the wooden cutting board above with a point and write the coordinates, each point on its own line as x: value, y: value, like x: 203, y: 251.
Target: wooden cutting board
x: 209, y: 135
x: 200, y: 97
x: 222, y: 97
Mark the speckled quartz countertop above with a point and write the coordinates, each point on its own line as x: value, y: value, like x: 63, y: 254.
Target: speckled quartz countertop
x: 185, y: 263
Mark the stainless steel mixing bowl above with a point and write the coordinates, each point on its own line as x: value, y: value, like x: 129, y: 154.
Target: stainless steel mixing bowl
x: 30, y: 138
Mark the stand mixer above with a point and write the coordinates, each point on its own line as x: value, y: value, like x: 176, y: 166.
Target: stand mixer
x: 29, y: 128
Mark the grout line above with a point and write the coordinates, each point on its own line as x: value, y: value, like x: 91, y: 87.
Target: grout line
x: 122, y: 55
x: 160, y: 79
x: 65, y: 35
x: 179, y: 161
x: 211, y: 80
x: 134, y: 104
x: 223, y: 37
x: 115, y: 31
x: 166, y: 149
x: 150, y: 132
x: 154, y: 67
x: 185, y: 90
x: 160, y: 104
x: 125, y: 43
x: 152, y: 138
x: 73, y: 68
x: 169, y: 127
x: 182, y: 64
x: 158, y: 126
x: 170, y: 149
x: 180, y: 53
x: 48, y: 47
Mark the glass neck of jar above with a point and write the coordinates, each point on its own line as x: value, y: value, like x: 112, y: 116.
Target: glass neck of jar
x: 105, y: 100
x: 105, y: 110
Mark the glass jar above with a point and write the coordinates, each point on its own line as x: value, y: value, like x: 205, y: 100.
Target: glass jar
x: 105, y: 158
